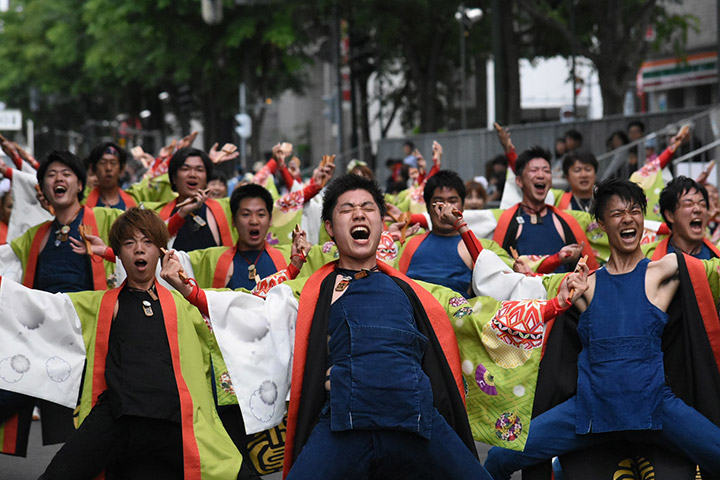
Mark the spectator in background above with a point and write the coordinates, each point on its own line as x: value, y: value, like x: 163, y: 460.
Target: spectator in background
x: 107, y: 163
x: 476, y: 196
x: 580, y: 169
x: 560, y: 148
x: 496, y: 171
x: 217, y: 183
x: 573, y: 140
x: 635, y: 130
x: 410, y: 159
x: 358, y: 167
x: 397, y: 180
x: 617, y: 139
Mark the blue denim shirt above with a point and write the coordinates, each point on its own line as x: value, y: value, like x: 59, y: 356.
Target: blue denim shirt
x: 376, y: 352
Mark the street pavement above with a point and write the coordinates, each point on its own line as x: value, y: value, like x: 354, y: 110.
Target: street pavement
x: 30, y: 468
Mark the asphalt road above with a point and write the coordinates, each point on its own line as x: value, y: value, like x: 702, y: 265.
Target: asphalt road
x: 30, y: 468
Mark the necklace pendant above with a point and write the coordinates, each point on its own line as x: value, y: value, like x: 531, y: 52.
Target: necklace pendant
x: 152, y: 295
x: 533, y: 219
x: 199, y: 221
x: 64, y: 232
x: 343, y: 284
x: 520, y: 220
x: 147, y: 308
x: 57, y: 242
x: 251, y: 272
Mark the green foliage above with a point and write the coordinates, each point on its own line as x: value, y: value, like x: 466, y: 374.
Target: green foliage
x: 104, y: 57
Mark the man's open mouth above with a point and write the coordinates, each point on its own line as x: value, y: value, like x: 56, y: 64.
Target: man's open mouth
x: 360, y: 233
x: 628, y: 233
x: 696, y: 225
x: 254, y: 232
x: 140, y: 263
x: 60, y: 189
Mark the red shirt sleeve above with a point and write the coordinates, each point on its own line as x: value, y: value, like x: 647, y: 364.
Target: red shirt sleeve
x: 665, y: 157
x: 420, y: 219
x: 472, y: 243
x: 287, y: 178
x: 197, y: 298
x: 174, y: 224
x: 511, y: 158
x: 310, y: 190
x: 550, y: 264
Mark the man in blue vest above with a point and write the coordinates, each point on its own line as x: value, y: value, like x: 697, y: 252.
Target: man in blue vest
x: 622, y: 388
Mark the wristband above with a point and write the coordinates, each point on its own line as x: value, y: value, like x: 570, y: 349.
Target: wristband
x: 458, y: 227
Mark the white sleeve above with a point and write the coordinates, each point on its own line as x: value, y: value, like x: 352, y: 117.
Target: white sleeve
x: 42, y: 353
x: 493, y: 278
x: 256, y: 339
x: 10, y: 265
x: 27, y: 210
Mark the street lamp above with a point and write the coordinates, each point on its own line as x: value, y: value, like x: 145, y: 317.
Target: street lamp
x: 466, y: 17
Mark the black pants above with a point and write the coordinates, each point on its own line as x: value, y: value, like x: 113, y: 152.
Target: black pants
x: 125, y: 448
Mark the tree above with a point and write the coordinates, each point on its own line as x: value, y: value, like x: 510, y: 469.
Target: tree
x: 610, y: 33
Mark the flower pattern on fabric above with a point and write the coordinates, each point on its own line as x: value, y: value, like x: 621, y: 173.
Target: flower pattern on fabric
x: 463, y: 311
x: 327, y: 246
x: 387, y: 249
x: 226, y: 383
x: 508, y: 427
x: 291, y: 202
x: 457, y: 301
x: 514, y: 332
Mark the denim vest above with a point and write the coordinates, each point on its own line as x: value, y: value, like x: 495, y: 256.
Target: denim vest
x: 620, y: 368
x: 376, y: 352
x: 437, y: 261
x: 59, y: 269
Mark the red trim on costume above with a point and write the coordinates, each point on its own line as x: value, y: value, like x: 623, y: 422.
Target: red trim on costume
x: 277, y: 258
x: 661, y: 249
x: 31, y: 266
x: 10, y: 432
x: 198, y: 298
x: 109, y: 255
x: 3, y: 233
x: 98, y: 269
x: 698, y: 277
x: 191, y: 453
x: 221, y: 221
x: 166, y: 211
x: 102, y: 339
x: 175, y: 223
x: 665, y: 157
x: 223, y: 267
x: 409, y: 251
x: 565, y: 199
x: 306, y: 312
x: 503, y: 224
x: 94, y: 196
x: 663, y: 229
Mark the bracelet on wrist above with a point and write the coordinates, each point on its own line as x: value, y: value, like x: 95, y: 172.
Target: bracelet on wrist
x: 458, y: 227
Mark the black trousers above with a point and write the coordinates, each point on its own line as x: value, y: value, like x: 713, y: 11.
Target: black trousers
x: 125, y: 448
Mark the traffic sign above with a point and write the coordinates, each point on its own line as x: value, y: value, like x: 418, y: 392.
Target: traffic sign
x: 10, y: 120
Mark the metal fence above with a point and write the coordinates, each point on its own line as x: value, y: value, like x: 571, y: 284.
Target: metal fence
x: 468, y: 151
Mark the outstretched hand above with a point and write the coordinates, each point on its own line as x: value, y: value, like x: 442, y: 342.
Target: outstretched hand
x: 227, y: 152
x: 97, y: 245
x: 503, y: 135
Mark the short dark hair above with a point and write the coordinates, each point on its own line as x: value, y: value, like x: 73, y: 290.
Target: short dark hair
x: 620, y: 134
x: 178, y: 160
x: 219, y: 176
x: 443, y: 178
x: 107, y: 147
x: 145, y: 221
x: 636, y: 123
x: 66, y: 158
x: 250, y: 190
x: 410, y: 144
x: 529, y: 154
x: 574, y: 134
x: 582, y: 156
x: 678, y: 186
x: 625, y: 189
x: 347, y: 183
